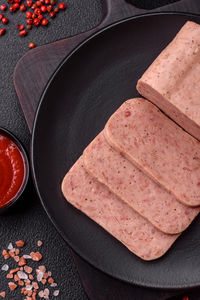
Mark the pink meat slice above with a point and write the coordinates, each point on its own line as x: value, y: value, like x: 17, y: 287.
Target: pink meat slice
x: 135, y: 188
x: 172, y: 81
x: 157, y: 146
x: 121, y: 221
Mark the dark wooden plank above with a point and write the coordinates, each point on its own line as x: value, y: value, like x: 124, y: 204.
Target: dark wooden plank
x: 42, y: 62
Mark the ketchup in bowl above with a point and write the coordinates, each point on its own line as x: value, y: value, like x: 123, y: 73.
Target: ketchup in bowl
x: 13, y: 169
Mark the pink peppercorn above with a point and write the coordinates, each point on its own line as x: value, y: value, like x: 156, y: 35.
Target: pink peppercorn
x: 36, y: 22
x: 44, y: 22
x: 49, y: 8
x: 28, y: 15
x: 62, y: 5
x: 2, y: 31
x: 43, y: 8
x: 12, y: 9
x: 29, y: 3
x: 31, y: 45
x: 3, y: 7
x: 4, y: 20
x: 16, y: 6
x: 22, y: 7
x: 37, y: 11
x: 52, y: 14
x: 29, y: 21
x: 20, y: 27
x: 23, y: 32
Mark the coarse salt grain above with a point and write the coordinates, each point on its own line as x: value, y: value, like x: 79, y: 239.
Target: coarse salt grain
x: 16, y: 258
x: 29, y: 287
x: 28, y: 269
x: 40, y: 276
x: 3, y: 294
x: 35, y: 285
x: 22, y: 275
x: 36, y: 256
x: 9, y: 276
x: 10, y: 246
x: 53, y: 284
x: 39, y: 243
x: 19, y: 243
x: 22, y: 261
x: 12, y: 286
x: 5, y: 267
x: 42, y: 269
x: 46, y: 292
x: 26, y: 256
x: 41, y: 294
x: 56, y: 293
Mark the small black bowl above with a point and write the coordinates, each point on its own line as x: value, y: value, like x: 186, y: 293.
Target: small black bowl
x: 7, y: 133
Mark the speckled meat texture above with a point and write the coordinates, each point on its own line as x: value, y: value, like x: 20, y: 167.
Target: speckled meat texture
x: 172, y: 81
x: 102, y: 206
x: 135, y: 188
x: 158, y: 147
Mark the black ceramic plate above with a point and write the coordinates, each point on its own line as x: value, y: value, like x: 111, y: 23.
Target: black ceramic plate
x: 85, y: 90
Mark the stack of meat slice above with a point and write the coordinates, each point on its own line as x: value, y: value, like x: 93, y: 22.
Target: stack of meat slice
x: 139, y: 179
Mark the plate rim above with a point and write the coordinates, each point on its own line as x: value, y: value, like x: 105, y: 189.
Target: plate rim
x: 138, y: 283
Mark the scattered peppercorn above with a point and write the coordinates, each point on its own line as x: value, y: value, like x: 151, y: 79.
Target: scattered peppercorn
x: 4, y: 20
x: 29, y: 26
x: 49, y: 8
x: 12, y: 9
x: 40, y: 17
x: 22, y: 7
x: 2, y: 32
x: 28, y: 14
x: 3, y: 7
x: 62, y: 5
x: 16, y: 6
x: 20, y: 27
x: 43, y: 8
x: 44, y: 22
x: 52, y: 14
x: 23, y: 32
x: 36, y: 22
x: 29, y: 3
x: 31, y: 45
x: 29, y: 21
x: 35, y: 15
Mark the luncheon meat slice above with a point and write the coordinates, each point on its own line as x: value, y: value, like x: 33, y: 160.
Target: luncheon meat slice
x: 172, y: 81
x: 102, y: 206
x: 158, y: 146
x: 135, y: 188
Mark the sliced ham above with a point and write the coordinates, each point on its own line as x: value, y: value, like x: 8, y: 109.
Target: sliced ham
x: 135, y: 188
x: 172, y: 81
x: 158, y: 146
x: 102, y: 206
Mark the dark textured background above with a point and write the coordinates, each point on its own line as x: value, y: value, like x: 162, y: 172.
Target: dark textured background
x: 27, y: 220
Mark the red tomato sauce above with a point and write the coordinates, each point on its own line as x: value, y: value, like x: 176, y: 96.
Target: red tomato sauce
x: 12, y: 170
